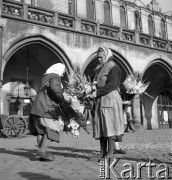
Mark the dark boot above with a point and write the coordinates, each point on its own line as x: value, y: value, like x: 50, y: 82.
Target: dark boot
x: 110, y: 148
x: 103, y: 147
x: 103, y: 150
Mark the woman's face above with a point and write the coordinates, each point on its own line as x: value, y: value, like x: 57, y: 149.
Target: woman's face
x: 101, y: 57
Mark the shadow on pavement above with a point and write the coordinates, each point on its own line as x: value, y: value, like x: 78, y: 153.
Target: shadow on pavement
x: 74, y: 152
x: 71, y: 155
x: 27, y: 153
x: 73, y: 149
x: 36, y: 176
x: 30, y: 153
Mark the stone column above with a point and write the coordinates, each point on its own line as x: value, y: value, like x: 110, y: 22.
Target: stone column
x: 1, y: 34
x: 1, y: 99
x: 1, y: 105
x: 136, y: 114
x: 151, y: 113
x: 154, y: 120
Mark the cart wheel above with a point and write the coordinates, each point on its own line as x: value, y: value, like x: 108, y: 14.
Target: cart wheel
x: 15, y: 127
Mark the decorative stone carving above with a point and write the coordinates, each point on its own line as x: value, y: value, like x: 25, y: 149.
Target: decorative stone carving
x: 40, y: 16
x: 87, y: 27
x: 137, y: 21
x: 144, y: 40
x: 127, y: 36
x: 64, y: 21
x: 159, y: 44
x: 11, y: 9
x: 109, y: 32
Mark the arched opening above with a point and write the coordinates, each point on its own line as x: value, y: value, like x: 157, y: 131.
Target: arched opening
x: 164, y: 105
x: 35, y: 56
x: 159, y: 73
x: 163, y: 28
x: 107, y: 12
x: 90, y: 9
x: 122, y: 17
x: 150, y: 25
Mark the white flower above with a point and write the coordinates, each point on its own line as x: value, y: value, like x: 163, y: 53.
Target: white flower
x: 133, y: 85
x: 87, y: 88
x: 74, y: 125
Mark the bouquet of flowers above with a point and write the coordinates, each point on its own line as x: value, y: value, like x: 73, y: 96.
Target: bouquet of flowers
x: 134, y: 85
x: 79, y: 87
x: 72, y: 118
x: 74, y: 126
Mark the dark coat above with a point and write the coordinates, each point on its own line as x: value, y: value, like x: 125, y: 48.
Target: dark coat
x: 48, y: 97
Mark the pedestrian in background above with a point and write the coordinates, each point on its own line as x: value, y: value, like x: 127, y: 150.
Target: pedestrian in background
x: 130, y: 126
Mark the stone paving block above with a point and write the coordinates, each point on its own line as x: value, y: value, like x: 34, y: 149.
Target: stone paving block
x: 72, y: 156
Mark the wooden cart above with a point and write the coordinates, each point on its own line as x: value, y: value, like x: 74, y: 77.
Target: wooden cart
x: 15, y: 124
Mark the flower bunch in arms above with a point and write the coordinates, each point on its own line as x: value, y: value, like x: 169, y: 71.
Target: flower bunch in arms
x: 78, y: 89
x: 134, y: 85
x: 80, y: 86
x: 74, y: 128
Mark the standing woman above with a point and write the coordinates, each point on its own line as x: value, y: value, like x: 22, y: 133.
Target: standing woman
x: 45, y: 111
x: 108, y: 124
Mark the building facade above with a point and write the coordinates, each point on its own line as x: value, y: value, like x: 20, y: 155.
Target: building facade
x: 34, y: 34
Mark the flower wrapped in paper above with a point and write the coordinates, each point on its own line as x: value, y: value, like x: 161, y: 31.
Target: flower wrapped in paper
x: 134, y: 85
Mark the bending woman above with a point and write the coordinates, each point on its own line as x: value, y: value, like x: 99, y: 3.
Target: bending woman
x: 45, y: 111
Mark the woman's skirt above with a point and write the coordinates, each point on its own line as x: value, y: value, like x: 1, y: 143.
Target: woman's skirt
x: 41, y: 126
x: 108, y: 120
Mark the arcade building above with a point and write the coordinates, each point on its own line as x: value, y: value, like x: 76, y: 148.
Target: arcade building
x: 34, y: 34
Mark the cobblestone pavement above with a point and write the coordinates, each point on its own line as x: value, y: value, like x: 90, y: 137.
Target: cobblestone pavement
x: 72, y: 156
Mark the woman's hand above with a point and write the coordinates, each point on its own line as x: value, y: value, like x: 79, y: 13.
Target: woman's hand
x: 93, y: 95
x: 126, y: 102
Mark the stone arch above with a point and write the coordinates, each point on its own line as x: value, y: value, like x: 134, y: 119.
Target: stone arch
x: 92, y: 62
x: 159, y: 73
x: 160, y: 62
x: 40, y: 40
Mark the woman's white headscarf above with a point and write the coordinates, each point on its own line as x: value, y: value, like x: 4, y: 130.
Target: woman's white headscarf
x: 108, y: 53
x: 58, y: 68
